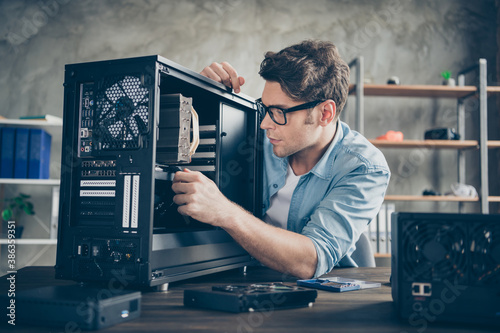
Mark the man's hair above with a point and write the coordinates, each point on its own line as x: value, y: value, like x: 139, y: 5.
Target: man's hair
x: 309, y: 71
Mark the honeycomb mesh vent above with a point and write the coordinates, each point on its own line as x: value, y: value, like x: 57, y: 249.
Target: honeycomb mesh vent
x: 121, y: 117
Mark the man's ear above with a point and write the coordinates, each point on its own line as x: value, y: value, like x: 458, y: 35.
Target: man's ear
x: 328, y: 111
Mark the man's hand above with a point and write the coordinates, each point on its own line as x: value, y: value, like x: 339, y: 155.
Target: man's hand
x: 224, y: 73
x: 199, y: 197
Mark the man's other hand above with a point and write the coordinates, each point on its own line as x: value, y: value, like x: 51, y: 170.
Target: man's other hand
x: 224, y: 73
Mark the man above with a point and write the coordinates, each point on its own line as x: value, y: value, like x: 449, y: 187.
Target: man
x: 323, y: 183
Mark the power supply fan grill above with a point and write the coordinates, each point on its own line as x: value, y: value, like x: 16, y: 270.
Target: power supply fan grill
x: 434, y: 251
x: 485, y: 253
x: 121, y: 116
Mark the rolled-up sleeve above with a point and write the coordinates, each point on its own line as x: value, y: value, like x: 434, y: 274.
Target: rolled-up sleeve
x: 344, y: 213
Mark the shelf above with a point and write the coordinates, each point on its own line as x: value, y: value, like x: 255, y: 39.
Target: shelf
x: 493, y: 199
x: 437, y: 144
x: 493, y: 144
x: 32, y: 241
x: 429, y: 198
x: 432, y: 91
x: 18, y: 181
x: 444, y: 144
x: 22, y: 122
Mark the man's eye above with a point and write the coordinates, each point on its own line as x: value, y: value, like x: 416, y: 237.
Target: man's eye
x: 276, y: 111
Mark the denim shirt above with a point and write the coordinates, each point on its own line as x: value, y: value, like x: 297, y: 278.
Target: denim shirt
x: 334, y: 202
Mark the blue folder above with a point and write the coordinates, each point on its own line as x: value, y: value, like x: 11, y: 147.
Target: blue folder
x: 39, y: 154
x: 7, y: 152
x: 21, y: 153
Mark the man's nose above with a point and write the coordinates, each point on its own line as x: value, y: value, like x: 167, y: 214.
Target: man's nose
x: 267, y: 122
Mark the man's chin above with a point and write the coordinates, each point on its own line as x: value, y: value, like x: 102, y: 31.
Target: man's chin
x: 279, y: 153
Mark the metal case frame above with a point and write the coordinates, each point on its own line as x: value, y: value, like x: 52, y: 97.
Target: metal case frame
x: 95, y: 243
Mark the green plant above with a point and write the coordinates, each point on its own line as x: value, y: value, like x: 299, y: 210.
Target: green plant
x: 446, y: 75
x: 15, y: 206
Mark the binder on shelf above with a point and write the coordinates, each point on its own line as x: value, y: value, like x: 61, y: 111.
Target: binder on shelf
x: 7, y: 153
x: 39, y: 154
x: 21, y: 153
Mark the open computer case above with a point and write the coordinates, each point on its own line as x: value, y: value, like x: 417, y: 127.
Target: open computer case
x: 129, y: 124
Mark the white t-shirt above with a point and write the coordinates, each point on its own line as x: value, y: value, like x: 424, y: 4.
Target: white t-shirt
x: 277, y: 214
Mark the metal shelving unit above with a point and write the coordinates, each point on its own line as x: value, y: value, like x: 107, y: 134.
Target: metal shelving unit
x: 461, y: 93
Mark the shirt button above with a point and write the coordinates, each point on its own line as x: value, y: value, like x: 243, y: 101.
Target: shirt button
x: 275, y: 185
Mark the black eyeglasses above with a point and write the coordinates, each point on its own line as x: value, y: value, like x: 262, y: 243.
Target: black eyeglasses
x: 278, y: 115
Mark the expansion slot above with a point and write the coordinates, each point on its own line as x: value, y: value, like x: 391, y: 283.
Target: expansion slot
x: 97, y: 193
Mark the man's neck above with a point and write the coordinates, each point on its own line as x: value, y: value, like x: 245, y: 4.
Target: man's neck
x: 303, y: 161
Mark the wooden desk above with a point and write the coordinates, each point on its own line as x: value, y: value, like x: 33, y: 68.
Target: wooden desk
x: 370, y: 310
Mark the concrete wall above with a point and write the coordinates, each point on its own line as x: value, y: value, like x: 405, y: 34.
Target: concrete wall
x: 413, y: 39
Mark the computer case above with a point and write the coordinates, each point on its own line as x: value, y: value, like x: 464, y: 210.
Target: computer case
x: 127, y: 129
x: 446, y: 267
x: 77, y: 306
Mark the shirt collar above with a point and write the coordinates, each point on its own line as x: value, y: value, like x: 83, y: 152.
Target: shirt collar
x: 283, y: 161
x: 324, y: 167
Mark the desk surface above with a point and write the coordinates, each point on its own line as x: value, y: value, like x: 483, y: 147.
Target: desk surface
x: 358, y: 311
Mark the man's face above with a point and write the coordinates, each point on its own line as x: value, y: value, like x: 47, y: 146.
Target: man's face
x: 300, y: 134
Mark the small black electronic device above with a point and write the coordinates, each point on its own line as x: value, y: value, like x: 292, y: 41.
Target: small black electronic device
x: 446, y: 267
x: 76, y: 307
x: 441, y: 134
x: 255, y: 297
